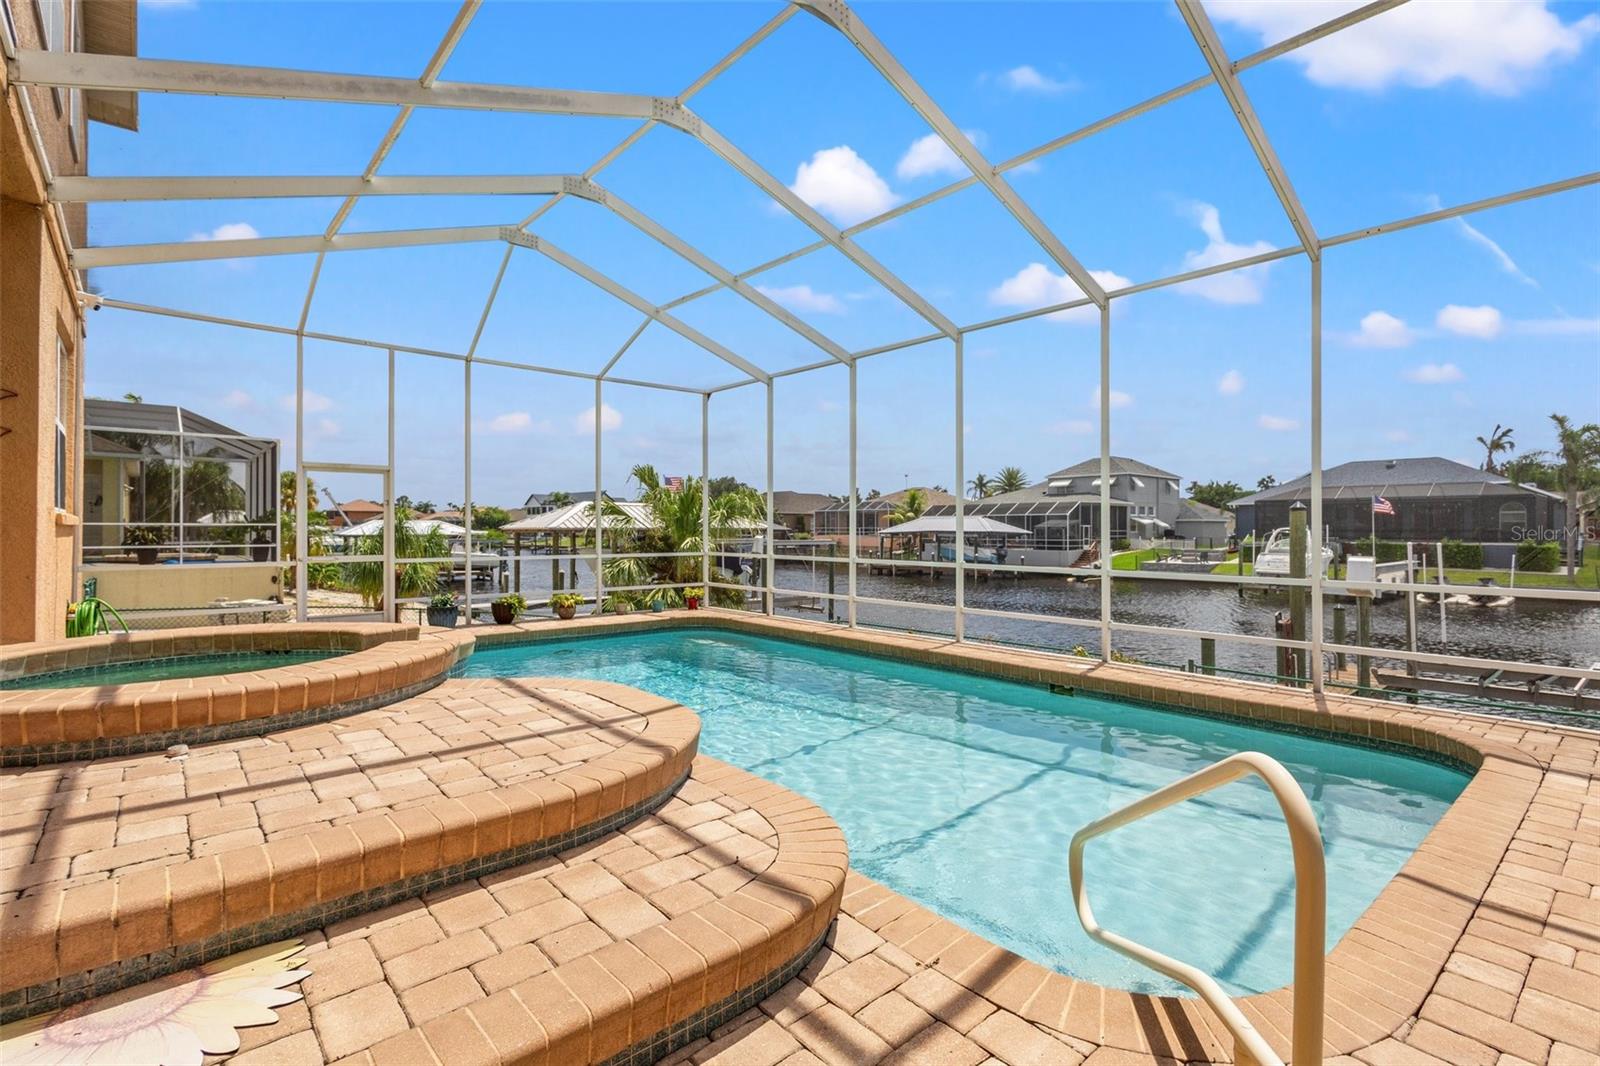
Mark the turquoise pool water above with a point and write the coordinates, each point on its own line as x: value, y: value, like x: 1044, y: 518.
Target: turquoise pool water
x: 166, y: 669
x: 963, y: 793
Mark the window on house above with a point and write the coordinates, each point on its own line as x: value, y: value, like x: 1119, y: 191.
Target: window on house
x: 63, y: 397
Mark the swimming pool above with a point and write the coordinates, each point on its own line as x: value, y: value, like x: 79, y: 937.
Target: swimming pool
x: 963, y: 792
x: 125, y: 673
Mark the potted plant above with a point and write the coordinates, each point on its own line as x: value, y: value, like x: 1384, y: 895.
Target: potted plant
x: 261, y: 545
x: 506, y: 608
x: 442, y: 610
x: 565, y: 604
x: 145, y: 541
x: 693, y: 596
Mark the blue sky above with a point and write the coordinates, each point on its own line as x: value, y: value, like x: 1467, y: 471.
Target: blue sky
x: 1431, y: 336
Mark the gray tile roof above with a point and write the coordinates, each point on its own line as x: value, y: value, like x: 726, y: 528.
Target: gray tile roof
x: 1429, y: 475
x: 1119, y: 465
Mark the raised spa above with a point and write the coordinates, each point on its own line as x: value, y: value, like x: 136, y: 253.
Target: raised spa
x: 962, y: 793
x: 168, y: 669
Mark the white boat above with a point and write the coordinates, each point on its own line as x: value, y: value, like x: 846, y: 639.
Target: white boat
x: 1273, y: 561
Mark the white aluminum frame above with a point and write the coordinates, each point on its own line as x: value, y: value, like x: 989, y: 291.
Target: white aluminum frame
x: 86, y: 71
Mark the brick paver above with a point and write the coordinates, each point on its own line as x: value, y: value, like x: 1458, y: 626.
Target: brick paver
x: 418, y: 961
x: 104, y: 817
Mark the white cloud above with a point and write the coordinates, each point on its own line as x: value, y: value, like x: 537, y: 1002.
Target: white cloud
x: 1483, y: 240
x: 1498, y: 47
x: 930, y: 155
x: 1481, y: 322
x: 1556, y: 327
x: 1118, y: 399
x: 1073, y: 425
x: 1397, y: 436
x: 1231, y: 383
x: 829, y: 406
x: 610, y: 418
x: 1036, y: 285
x: 326, y: 427
x: 1277, y: 423
x: 1380, y: 329
x: 803, y: 298
x: 239, y: 400
x: 516, y: 422
x: 1241, y: 286
x: 841, y: 184
x: 315, y: 402
x: 1434, y: 374
x: 228, y: 231
x: 1029, y: 79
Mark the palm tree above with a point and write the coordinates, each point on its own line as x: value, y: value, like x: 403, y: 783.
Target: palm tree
x: 676, y: 527
x: 1496, y: 442
x: 1010, y: 479
x: 981, y: 486
x: 557, y: 499
x: 1265, y: 483
x: 410, y: 579
x: 911, y: 506
x: 1577, y: 468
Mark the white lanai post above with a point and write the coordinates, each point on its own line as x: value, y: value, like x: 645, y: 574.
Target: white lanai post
x: 1105, y: 482
x: 1317, y: 532
x: 302, y: 572
x: 599, y: 528
x: 961, y: 536
x: 705, y: 495
x: 771, y: 604
x: 391, y: 608
x: 850, y: 589
x: 466, y: 472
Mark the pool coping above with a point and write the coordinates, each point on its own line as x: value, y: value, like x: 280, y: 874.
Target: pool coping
x: 1379, y: 974
x: 377, y: 663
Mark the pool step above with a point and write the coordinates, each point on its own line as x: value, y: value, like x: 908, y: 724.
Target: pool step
x: 117, y: 871
x: 620, y: 950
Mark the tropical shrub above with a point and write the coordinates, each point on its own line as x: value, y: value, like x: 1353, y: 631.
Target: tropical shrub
x: 1121, y: 544
x: 1459, y: 555
x: 1389, y: 551
x: 145, y: 536
x: 515, y: 601
x: 566, y: 599
x: 675, y: 527
x: 1543, y: 556
x: 441, y: 601
x: 411, y: 580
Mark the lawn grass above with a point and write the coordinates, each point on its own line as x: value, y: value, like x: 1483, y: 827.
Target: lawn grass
x: 1131, y: 560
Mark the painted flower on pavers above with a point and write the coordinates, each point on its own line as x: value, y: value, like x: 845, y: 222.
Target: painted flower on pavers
x: 173, y: 1021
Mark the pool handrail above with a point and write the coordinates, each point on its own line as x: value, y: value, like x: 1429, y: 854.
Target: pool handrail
x: 1310, y: 906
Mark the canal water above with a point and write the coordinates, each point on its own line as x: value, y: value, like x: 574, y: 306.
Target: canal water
x: 1535, y: 631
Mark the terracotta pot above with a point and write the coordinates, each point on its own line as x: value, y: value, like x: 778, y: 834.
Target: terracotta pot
x: 565, y: 613
x: 504, y: 613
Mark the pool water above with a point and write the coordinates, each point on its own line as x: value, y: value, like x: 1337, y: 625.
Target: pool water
x: 963, y: 793
x: 167, y: 669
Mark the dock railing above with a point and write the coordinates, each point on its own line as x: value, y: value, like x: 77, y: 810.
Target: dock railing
x: 1310, y: 907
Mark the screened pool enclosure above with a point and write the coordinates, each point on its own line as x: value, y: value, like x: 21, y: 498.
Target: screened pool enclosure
x: 949, y: 346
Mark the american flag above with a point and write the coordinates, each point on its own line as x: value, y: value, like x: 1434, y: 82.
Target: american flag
x: 675, y: 484
x: 1382, y: 506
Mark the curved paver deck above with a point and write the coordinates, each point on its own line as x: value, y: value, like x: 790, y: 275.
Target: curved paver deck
x: 123, y: 861
x: 374, y: 663
x: 600, y: 951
